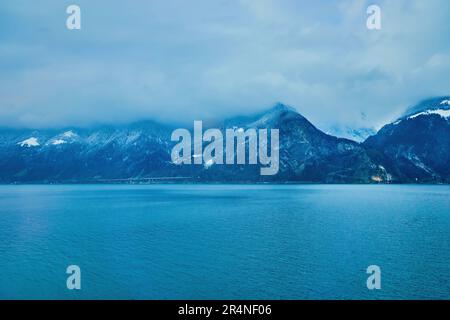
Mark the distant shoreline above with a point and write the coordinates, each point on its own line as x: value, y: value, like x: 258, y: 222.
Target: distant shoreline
x: 217, y: 183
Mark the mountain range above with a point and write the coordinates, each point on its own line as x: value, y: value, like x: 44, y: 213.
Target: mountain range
x: 414, y: 148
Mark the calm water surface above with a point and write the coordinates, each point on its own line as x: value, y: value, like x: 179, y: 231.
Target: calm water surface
x: 225, y: 241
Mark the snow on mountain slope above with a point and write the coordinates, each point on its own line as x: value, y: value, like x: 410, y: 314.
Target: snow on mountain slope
x: 30, y: 142
x: 431, y: 104
x: 58, y: 142
x: 358, y: 135
x: 436, y: 106
x: 143, y: 149
x: 441, y: 112
x: 416, y: 147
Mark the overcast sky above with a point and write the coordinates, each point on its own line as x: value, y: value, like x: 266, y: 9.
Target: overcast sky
x: 179, y: 60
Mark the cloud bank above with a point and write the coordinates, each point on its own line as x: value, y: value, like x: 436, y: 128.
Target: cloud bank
x: 176, y: 60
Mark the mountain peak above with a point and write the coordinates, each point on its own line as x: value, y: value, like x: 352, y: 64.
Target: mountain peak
x: 429, y: 104
x: 273, y: 115
x: 281, y: 107
x: 267, y: 117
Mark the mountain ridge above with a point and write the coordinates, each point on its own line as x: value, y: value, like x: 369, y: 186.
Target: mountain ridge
x: 140, y: 151
x: 416, y: 147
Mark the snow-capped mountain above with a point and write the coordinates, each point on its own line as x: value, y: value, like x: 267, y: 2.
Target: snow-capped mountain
x: 416, y: 147
x: 78, y: 154
x: 438, y: 103
x: 142, y: 150
x: 347, y: 132
x: 309, y: 155
x: 30, y: 142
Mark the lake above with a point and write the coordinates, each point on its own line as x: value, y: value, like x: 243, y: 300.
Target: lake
x: 224, y: 241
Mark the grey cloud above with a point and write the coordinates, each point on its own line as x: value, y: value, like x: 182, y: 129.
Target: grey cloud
x: 180, y: 60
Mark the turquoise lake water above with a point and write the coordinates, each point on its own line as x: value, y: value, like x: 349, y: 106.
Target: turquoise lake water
x: 225, y: 241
